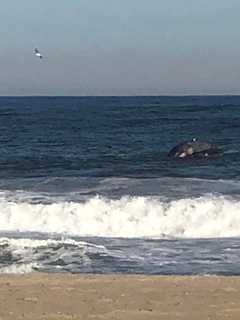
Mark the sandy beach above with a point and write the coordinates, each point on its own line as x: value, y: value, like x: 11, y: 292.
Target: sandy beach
x: 66, y: 296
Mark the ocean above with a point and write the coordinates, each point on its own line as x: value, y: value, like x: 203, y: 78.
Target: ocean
x: 86, y: 185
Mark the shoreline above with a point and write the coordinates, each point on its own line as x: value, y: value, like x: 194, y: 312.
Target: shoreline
x: 117, y: 296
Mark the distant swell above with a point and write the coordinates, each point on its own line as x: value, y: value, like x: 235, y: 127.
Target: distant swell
x: 207, y: 216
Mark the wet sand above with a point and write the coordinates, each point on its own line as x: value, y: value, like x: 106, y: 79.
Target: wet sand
x: 65, y: 296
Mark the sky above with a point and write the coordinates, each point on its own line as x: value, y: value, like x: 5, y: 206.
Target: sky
x: 120, y: 47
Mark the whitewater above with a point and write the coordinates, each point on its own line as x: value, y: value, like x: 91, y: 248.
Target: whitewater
x: 120, y: 225
x: 204, y: 217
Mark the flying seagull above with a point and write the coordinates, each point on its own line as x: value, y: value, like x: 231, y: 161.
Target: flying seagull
x: 37, y: 53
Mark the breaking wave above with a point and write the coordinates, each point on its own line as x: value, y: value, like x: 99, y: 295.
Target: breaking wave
x: 131, y: 217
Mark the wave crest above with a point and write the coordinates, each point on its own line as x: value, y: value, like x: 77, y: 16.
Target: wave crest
x: 203, y: 217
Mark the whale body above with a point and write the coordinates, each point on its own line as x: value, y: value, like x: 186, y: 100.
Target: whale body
x: 194, y: 148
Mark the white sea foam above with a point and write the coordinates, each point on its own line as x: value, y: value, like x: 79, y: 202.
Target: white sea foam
x: 24, y: 243
x: 19, y: 268
x: 207, y: 216
x: 28, y: 255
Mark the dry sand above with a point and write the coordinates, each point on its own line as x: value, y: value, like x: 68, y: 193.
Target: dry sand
x: 65, y: 296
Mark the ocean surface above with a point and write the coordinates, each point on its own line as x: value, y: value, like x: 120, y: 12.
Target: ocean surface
x: 86, y: 185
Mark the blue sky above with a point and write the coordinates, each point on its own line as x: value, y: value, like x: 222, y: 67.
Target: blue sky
x: 120, y: 47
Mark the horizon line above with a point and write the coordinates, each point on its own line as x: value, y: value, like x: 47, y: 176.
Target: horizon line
x: 121, y: 96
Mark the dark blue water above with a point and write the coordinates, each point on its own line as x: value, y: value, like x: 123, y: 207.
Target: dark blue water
x: 86, y: 185
x: 116, y: 136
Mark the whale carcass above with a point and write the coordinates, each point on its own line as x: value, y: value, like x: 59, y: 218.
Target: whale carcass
x: 194, y: 148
